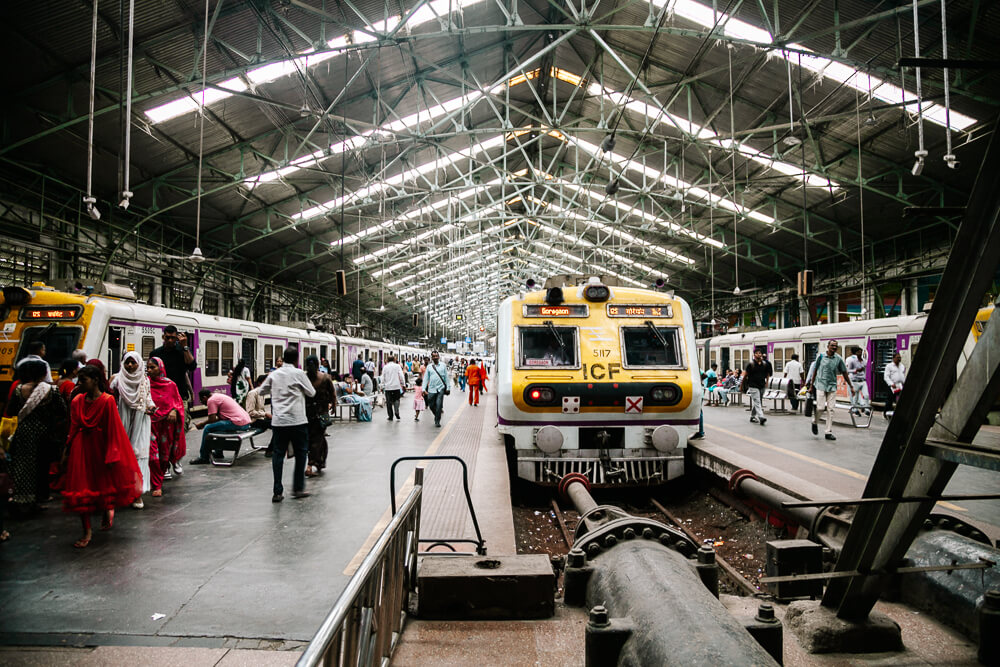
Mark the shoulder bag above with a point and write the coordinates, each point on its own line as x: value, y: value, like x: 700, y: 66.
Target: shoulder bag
x: 447, y: 392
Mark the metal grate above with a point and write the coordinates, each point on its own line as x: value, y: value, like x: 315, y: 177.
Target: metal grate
x: 636, y: 471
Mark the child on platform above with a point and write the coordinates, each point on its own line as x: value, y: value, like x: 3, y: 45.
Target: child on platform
x: 418, y: 399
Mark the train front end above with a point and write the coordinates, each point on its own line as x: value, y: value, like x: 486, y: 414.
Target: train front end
x: 597, y: 379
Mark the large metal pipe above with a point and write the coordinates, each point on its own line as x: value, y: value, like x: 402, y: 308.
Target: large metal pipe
x: 648, y: 587
x: 826, y: 525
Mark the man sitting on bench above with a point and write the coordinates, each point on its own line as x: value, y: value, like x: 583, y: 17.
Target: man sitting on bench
x: 257, y: 410
x: 224, y: 416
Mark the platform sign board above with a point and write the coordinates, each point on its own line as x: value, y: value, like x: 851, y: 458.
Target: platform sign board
x: 452, y: 346
x: 444, y: 340
x: 468, y: 339
x: 413, y: 343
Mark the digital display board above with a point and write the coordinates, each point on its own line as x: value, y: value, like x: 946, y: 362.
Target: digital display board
x: 545, y: 310
x: 640, y: 310
x: 50, y: 314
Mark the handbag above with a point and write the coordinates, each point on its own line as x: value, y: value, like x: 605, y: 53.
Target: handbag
x: 447, y: 392
x: 810, y: 403
x: 7, y: 427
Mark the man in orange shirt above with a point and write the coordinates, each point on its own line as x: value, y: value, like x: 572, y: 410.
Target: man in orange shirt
x: 472, y: 374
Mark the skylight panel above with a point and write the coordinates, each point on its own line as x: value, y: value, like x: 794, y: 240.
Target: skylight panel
x: 190, y: 103
x: 732, y: 27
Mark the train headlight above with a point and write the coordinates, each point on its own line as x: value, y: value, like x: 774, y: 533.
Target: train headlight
x: 595, y: 291
x: 549, y: 439
x: 664, y: 394
x: 539, y: 395
x: 665, y: 438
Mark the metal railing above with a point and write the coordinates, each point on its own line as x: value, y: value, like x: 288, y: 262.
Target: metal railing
x: 366, y: 622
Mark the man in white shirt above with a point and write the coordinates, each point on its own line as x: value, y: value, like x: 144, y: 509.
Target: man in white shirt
x: 393, y: 383
x: 856, y: 371
x: 36, y: 352
x: 289, y: 386
x: 894, y: 376
x: 793, y: 371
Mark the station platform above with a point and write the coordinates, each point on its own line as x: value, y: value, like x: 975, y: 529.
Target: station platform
x: 214, y: 573
x: 791, y: 458
x: 214, y: 564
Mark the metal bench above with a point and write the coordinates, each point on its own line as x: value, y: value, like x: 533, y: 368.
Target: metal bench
x: 232, y: 442
x: 776, y: 391
x: 858, y: 418
x: 350, y: 408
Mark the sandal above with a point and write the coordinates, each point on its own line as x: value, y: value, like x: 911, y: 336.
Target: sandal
x: 157, y: 493
x: 82, y: 542
x: 109, y: 520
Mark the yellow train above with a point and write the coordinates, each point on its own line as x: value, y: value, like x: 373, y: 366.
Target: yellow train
x: 597, y: 379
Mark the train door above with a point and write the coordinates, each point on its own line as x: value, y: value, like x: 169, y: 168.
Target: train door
x: 882, y: 351
x: 761, y: 348
x: 115, y: 336
x: 724, y: 352
x: 323, y: 350
x: 809, y: 353
x: 249, y: 355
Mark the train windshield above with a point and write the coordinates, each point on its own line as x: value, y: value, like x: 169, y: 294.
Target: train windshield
x: 59, y: 342
x: 548, y: 346
x: 651, y: 346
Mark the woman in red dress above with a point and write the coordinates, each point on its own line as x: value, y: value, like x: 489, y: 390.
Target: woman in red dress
x: 167, y: 430
x: 101, y: 471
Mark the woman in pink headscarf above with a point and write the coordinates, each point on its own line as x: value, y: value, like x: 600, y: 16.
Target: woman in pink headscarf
x: 167, y: 441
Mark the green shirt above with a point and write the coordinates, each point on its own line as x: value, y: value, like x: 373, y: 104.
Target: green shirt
x: 826, y: 370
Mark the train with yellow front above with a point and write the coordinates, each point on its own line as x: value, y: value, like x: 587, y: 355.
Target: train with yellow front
x: 598, y: 379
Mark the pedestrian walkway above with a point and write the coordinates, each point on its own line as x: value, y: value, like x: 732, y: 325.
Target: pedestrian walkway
x: 215, y: 564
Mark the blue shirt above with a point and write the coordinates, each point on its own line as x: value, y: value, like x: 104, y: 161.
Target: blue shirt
x: 433, y: 382
x: 825, y: 371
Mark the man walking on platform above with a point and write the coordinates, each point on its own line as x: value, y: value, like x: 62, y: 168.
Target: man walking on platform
x: 288, y: 387
x: 358, y: 368
x: 393, y: 383
x: 436, y: 386
x: 823, y: 376
x: 756, y: 375
x: 472, y: 378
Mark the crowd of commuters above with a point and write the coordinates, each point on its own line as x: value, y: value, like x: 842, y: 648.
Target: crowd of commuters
x: 818, y: 385
x: 105, y: 444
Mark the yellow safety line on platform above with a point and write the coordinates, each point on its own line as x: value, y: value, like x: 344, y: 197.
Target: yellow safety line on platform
x: 404, y: 491
x: 817, y: 462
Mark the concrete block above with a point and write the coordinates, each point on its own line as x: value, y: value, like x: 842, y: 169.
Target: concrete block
x: 483, y: 588
x: 819, y: 630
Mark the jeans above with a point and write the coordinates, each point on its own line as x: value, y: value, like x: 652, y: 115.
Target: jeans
x: 435, y: 403
x: 793, y: 394
x: 461, y: 381
x: 830, y: 398
x: 392, y: 402
x: 756, y: 409
x: 221, y: 426
x: 859, y: 399
x: 298, y: 436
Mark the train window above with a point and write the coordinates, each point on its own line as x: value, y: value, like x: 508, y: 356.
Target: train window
x: 228, y: 352
x: 548, y: 346
x: 211, y: 358
x: 59, y: 342
x: 651, y: 346
x: 741, y: 358
x: 147, y: 346
x: 268, y: 358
